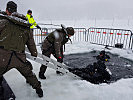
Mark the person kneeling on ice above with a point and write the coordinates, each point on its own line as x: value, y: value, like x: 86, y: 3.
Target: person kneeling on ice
x: 95, y: 73
x: 53, y: 44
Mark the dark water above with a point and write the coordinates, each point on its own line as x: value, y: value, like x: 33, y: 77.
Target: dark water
x: 119, y: 67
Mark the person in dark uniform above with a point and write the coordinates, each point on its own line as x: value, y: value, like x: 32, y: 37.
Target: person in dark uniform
x: 53, y: 44
x: 15, y: 33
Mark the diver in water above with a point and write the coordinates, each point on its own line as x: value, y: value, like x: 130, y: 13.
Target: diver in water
x: 95, y: 73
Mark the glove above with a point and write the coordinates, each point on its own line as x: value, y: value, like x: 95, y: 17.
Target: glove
x: 38, y: 27
x: 60, y: 59
x: 34, y: 54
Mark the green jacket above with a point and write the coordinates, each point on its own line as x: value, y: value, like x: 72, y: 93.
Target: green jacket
x: 15, y: 33
x: 54, y: 42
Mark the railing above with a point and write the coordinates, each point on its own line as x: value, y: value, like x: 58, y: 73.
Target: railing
x: 110, y: 37
x: 102, y: 36
x: 80, y: 34
x: 39, y: 36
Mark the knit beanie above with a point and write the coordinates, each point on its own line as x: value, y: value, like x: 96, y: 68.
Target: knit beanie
x: 11, y: 7
x: 70, y: 30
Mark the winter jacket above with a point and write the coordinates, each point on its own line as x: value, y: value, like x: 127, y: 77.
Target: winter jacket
x: 54, y: 42
x: 31, y: 21
x: 15, y: 33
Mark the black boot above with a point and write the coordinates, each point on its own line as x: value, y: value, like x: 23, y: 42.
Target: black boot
x: 41, y: 75
x: 39, y: 91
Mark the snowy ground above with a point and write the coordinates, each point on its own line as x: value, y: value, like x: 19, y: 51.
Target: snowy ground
x: 66, y: 88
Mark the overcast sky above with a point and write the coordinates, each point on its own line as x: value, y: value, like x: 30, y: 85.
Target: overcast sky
x: 75, y: 9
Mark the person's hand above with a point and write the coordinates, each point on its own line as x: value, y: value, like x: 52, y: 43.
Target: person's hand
x: 34, y: 54
x: 60, y: 59
x: 38, y: 27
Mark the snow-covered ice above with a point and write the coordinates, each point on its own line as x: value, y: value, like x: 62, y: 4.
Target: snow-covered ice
x: 64, y: 87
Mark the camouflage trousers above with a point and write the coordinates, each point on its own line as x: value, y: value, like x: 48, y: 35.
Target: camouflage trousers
x: 17, y: 60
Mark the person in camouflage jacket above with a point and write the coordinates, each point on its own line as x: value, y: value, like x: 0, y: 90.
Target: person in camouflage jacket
x: 15, y: 33
x: 53, y: 44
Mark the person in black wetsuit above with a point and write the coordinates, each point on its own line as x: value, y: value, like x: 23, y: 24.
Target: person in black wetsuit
x: 95, y: 73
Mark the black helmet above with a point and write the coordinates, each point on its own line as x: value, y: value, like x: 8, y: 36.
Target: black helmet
x: 70, y: 30
x: 29, y: 11
x: 11, y: 7
x: 102, y: 52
